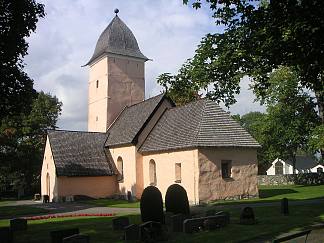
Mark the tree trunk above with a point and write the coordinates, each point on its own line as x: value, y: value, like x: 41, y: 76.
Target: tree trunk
x: 294, y: 163
x: 319, y: 94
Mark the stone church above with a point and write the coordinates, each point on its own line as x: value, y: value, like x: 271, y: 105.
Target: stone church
x: 132, y: 143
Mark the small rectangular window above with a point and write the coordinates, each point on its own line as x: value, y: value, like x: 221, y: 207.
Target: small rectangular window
x: 226, y: 169
x: 178, y: 172
x: 97, y: 84
x: 96, y: 118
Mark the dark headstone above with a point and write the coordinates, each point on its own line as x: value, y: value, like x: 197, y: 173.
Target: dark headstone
x: 225, y: 214
x: 132, y: 232
x: 177, y: 222
x: 193, y: 225
x: 57, y: 236
x: 247, y: 216
x: 78, y: 238
x: 217, y: 221
x: 284, y: 206
x: 209, y: 224
x: 152, y: 205
x: 151, y: 231
x: 45, y: 198
x: 167, y: 217
x: 18, y: 224
x: 210, y: 212
x: 37, y: 197
x: 120, y: 223
x: 129, y: 196
x: 6, y: 235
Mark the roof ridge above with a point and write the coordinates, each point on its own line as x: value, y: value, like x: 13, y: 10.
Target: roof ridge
x: 146, y: 100
x: 64, y: 130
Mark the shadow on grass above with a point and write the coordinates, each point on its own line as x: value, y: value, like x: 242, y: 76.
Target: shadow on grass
x: 18, y: 211
x: 112, y: 203
x: 275, y: 192
x: 270, y: 224
x: 99, y: 229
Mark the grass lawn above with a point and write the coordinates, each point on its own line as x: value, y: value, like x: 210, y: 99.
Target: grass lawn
x: 275, y: 193
x: 16, y: 211
x: 270, y: 223
x: 113, y: 203
x: 267, y: 194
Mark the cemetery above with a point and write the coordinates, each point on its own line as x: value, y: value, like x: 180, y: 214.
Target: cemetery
x: 173, y: 221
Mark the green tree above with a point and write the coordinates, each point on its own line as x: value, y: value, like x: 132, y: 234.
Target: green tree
x: 23, y: 142
x: 17, y: 20
x: 253, y: 122
x: 291, y: 116
x: 259, y: 37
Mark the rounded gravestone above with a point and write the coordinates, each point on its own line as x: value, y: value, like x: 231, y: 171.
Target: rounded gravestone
x: 247, y: 216
x: 152, y: 205
x: 176, y: 200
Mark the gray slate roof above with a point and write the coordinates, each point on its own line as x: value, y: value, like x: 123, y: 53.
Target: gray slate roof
x: 131, y: 120
x: 117, y: 38
x: 80, y: 153
x: 198, y: 124
x: 303, y: 162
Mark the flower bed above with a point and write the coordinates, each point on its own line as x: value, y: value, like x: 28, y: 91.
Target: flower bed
x: 53, y: 216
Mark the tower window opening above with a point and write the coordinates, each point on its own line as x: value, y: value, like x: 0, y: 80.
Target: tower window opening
x: 97, y: 84
x: 96, y: 118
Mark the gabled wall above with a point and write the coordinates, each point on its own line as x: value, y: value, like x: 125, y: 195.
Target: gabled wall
x: 243, y: 182
x: 165, y: 171
x: 48, y: 168
x: 128, y: 155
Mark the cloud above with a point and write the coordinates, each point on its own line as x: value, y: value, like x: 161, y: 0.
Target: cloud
x: 167, y: 32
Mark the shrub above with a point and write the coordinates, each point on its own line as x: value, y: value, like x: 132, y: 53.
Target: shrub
x: 176, y: 200
x: 151, y: 205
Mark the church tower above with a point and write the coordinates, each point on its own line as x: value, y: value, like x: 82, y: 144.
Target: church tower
x: 116, y: 76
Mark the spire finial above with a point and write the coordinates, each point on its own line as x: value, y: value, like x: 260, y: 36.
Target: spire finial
x: 116, y: 11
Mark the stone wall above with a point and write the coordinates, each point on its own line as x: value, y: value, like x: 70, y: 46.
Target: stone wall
x: 297, y: 179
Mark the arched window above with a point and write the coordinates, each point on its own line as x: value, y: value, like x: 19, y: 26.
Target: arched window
x: 152, y: 168
x: 48, y: 186
x: 97, y: 84
x: 319, y: 170
x: 278, y: 168
x: 120, y: 168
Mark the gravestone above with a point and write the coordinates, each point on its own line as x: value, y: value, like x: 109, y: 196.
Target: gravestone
x: 225, y: 214
x: 6, y: 235
x: 167, y: 218
x: 210, y: 224
x: 210, y: 212
x: 37, y: 197
x: 151, y: 231
x: 18, y: 224
x: 177, y: 222
x: 129, y: 196
x: 120, y: 223
x: 132, y: 232
x: 78, y: 238
x: 284, y: 206
x: 45, y: 198
x: 247, y: 216
x: 193, y: 225
x: 57, y: 236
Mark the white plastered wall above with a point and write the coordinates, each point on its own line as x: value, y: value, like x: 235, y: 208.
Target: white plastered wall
x: 128, y: 155
x: 48, y: 168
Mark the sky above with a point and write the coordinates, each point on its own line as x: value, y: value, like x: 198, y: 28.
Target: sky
x: 167, y: 32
